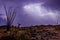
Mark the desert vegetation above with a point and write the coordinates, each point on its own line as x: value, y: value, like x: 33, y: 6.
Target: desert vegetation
x: 31, y: 33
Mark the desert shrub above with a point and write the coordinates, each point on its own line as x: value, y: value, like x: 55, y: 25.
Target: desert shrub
x: 24, y: 36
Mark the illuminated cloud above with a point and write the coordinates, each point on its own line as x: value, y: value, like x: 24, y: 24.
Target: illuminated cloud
x: 37, y: 10
x: 3, y: 17
x: 33, y: 12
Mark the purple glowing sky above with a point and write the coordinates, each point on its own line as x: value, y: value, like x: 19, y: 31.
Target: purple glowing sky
x: 32, y: 12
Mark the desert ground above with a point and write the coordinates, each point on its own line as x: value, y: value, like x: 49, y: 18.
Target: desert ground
x: 42, y: 32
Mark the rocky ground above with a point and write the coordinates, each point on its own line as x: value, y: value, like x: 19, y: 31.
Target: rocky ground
x: 49, y: 32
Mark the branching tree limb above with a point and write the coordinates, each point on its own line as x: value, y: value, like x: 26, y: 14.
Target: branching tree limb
x: 10, y: 14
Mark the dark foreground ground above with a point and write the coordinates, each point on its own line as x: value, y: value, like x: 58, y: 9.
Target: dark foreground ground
x: 47, y: 32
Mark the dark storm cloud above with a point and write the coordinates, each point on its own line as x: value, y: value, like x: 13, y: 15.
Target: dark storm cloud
x: 17, y: 0
x: 1, y: 14
x: 53, y: 4
x: 2, y: 21
x: 26, y: 19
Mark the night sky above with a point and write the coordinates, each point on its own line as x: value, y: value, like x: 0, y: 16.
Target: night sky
x: 32, y: 12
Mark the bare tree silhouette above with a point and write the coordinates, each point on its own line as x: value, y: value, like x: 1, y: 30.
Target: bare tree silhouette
x: 10, y: 14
